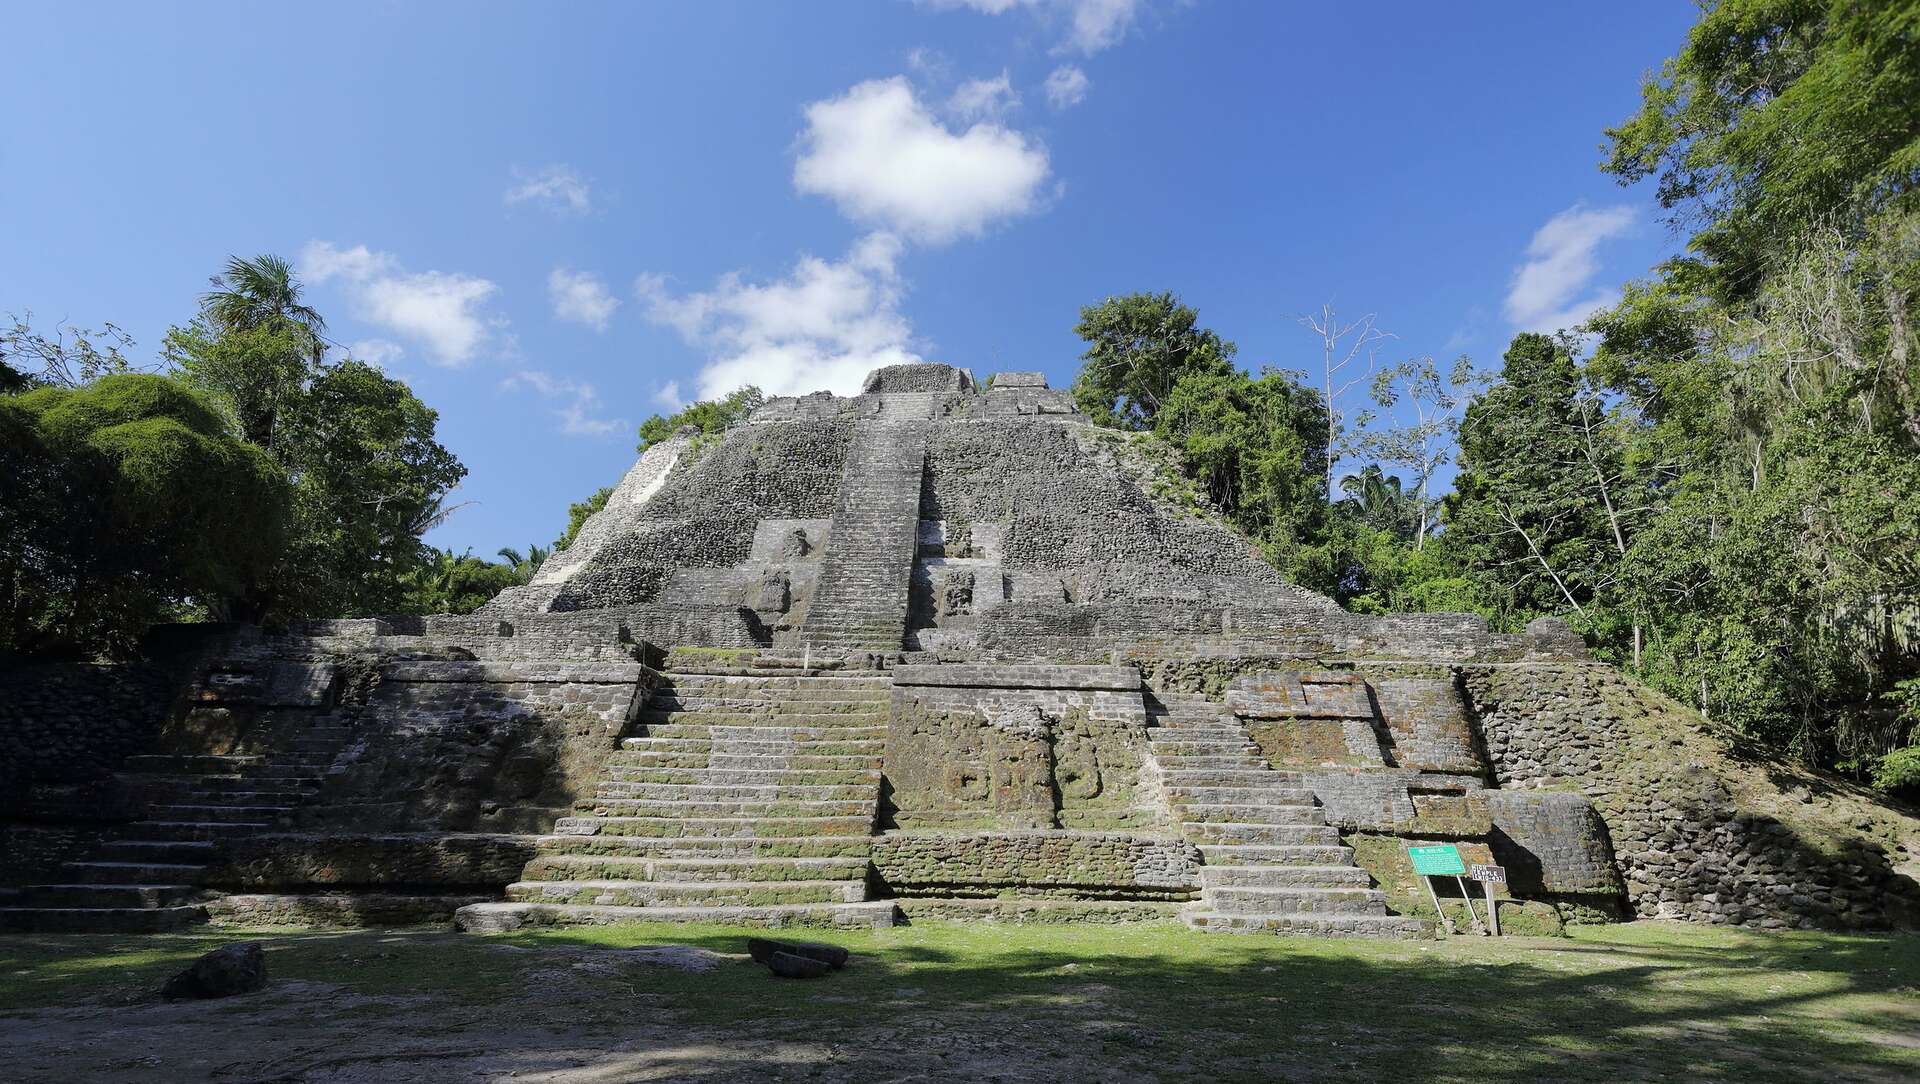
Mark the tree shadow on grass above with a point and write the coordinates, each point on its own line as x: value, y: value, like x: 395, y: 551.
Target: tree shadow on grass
x: 1122, y: 1003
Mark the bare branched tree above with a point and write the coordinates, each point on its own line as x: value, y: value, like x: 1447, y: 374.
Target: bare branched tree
x: 1344, y: 347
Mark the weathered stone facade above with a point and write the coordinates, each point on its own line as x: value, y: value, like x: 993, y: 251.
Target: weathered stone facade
x: 935, y: 650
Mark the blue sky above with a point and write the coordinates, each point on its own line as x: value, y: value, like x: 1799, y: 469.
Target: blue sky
x: 554, y: 221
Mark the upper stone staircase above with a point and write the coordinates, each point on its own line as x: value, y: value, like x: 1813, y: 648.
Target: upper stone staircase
x: 860, y: 603
x: 147, y: 878
x: 750, y: 797
x: 1271, y: 863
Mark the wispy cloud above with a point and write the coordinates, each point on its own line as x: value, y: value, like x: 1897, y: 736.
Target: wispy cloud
x: 1550, y: 289
x: 557, y: 188
x: 444, y: 310
x: 578, y: 403
x: 825, y: 325
x: 376, y: 352
x: 581, y: 298
x: 984, y: 99
x: 1085, y: 26
x: 1066, y: 86
x: 884, y: 159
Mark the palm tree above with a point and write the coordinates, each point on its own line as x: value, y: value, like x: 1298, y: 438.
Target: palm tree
x: 254, y: 292
x: 525, y: 567
x: 1380, y: 501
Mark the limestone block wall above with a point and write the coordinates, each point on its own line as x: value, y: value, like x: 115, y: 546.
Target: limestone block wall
x: 1698, y: 833
x: 706, y: 512
x: 1018, y: 747
x: 388, y: 862
x: 64, y: 729
x: 73, y: 722
x: 1037, y: 864
x: 1552, y: 843
x: 478, y: 746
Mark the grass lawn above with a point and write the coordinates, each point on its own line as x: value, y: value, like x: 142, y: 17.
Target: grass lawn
x: 1646, y: 1001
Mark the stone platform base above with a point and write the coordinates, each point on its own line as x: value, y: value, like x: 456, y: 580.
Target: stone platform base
x: 501, y: 917
x: 1401, y: 927
x: 100, y: 919
x: 1038, y: 911
x: 339, y: 911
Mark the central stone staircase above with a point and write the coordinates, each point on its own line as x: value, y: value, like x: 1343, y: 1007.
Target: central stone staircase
x: 147, y: 878
x: 860, y: 603
x: 1271, y: 863
x: 749, y: 798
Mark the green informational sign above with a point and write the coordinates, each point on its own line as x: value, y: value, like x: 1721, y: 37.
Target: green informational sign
x: 1443, y: 860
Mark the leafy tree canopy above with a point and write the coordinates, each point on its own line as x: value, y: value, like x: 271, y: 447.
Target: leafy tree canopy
x: 128, y: 499
x: 1139, y: 347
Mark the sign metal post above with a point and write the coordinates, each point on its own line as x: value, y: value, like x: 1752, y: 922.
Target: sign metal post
x: 1488, y: 876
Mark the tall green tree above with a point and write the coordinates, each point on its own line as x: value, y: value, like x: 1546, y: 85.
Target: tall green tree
x: 1542, y: 509
x: 357, y: 445
x: 1770, y: 375
x: 1139, y: 347
x: 127, y: 501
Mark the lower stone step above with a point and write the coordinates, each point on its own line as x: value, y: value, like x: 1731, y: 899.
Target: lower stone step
x: 737, y: 827
x: 708, y: 847
x: 729, y: 808
x: 867, y: 777
x: 198, y: 852
x: 1295, y: 813
x: 604, y: 867
x: 686, y: 894
x: 106, y: 896
x: 99, y: 919
x: 1204, y: 832
x: 740, y: 792
x: 499, y: 917
x: 1184, y: 762
x: 1299, y: 899
x: 1276, y: 855
x: 1251, y: 795
x: 1249, y: 776
x: 1290, y: 876
x: 132, y: 873
x: 180, y: 831
x: 1400, y: 927
x: 191, y: 765
x: 223, y: 813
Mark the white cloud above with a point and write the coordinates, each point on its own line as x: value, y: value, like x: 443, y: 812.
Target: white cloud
x: 883, y: 158
x: 822, y: 327
x: 668, y: 396
x: 441, y: 309
x: 580, y: 402
x: 1091, y: 25
x: 984, y: 99
x: 1547, y: 289
x: 1098, y: 24
x: 557, y: 188
x: 1066, y: 86
x: 581, y: 298
x: 376, y: 352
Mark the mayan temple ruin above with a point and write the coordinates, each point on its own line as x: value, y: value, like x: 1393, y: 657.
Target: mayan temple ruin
x: 943, y: 649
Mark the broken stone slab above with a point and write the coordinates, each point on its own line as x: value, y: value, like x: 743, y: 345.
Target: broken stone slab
x: 763, y: 949
x: 788, y: 966
x: 230, y: 969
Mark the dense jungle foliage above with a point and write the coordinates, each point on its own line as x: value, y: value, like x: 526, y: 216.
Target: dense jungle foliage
x: 1716, y: 481
x: 253, y: 478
